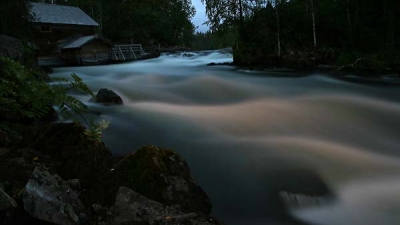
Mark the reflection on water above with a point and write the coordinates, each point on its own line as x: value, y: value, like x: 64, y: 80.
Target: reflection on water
x: 251, y: 136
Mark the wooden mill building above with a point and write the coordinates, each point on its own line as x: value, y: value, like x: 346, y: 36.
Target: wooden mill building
x: 65, y: 35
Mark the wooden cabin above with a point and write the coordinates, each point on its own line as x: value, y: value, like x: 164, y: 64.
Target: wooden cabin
x: 65, y: 35
x: 86, y: 50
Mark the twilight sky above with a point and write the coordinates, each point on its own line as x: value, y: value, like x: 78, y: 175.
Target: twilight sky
x: 200, y: 16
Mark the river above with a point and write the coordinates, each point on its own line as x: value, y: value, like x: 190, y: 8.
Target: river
x: 247, y: 134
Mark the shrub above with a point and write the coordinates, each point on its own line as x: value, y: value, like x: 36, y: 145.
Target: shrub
x: 24, y: 96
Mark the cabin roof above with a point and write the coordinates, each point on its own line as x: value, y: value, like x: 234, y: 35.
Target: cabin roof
x: 80, y: 41
x: 60, y: 14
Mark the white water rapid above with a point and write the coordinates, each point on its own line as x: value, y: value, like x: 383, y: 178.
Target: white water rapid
x: 248, y: 135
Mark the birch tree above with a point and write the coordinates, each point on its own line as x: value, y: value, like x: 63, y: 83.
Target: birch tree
x: 278, y: 28
x: 313, y: 23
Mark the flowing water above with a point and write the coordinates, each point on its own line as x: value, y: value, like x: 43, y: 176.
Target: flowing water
x: 251, y: 136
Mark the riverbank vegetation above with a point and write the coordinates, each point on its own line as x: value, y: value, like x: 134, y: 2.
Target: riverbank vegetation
x: 308, y: 32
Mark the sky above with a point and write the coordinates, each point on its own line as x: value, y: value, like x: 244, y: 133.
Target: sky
x: 200, y: 16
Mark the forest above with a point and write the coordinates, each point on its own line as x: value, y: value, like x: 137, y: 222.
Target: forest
x: 330, y: 30
x: 123, y: 21
x: 321, y: 31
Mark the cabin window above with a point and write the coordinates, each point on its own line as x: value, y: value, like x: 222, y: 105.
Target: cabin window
x: 46, y: 29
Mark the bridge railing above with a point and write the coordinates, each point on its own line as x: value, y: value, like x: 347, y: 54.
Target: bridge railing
x: 131, y: 51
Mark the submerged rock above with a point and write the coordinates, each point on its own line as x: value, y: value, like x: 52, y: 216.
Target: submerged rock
x: 133, y: 208
x: 108, y: 97
x: 49, y: 198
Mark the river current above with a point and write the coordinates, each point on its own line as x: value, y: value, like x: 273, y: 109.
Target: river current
x: 247, y: 134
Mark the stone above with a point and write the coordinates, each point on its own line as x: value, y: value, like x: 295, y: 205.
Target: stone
x: 49, y: 198
x: 11, y: 47
x: 162, y: 175
x: 108, y: 97
x: 228, y: 50
x: 133, y: 208
x: 78, y: 156
x: 16, y: 167
x: 75, y: 184
x: 101, y: 214
x: 395, y: 67
x: 6, y: 202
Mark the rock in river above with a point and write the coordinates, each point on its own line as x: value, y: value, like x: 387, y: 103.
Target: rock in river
x: 108, y: 97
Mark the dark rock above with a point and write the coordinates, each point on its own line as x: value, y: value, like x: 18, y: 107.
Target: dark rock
x: 49, y: 198
x: 79, y: 157
x: 47, y: 69
x: 220, y: 64
x: 133, y: 208
x: 50, y: 116
x: 3, y: 151
x: 17, y: 50
x: 188, y: 54
x: 366, y: 67
x: 327, y: 67
x: 6, y: 202
x: 108, y: 97
x: 17, y: 165
x: 228, y: 50
x: 101, y: 214
x: 395, y: 67
x: 75, y: 184
x: 160, y: 174
x: 11, y: 47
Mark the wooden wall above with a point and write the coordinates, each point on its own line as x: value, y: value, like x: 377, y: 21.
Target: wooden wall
x: 95, y: 50
x: 46, y: 40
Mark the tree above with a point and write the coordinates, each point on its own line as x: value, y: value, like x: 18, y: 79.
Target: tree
x: 313, y: 23
x: 14, y: 17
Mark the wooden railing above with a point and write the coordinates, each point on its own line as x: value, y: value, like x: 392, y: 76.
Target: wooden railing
x: 131, y: 52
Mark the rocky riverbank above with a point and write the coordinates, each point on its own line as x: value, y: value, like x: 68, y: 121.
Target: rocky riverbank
x: 55, y: 174
x: 321, y: 60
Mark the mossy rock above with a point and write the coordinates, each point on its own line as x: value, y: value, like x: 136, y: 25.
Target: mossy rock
x: 157, y: 173
x: 79, y: 157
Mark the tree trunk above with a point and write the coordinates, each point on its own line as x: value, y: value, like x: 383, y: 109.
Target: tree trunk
x: 348, y: 15
x: 391, y: 26
x: 313, y: 22
x: 241, y: 13
x: 278, y: 29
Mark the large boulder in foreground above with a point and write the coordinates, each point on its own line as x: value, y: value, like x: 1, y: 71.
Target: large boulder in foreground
x: 49, y: 198
x: 107, y: 96
x: 17, y: 165
x: 79, y: 157
x: 159, y: 174
x: 133, y: 208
